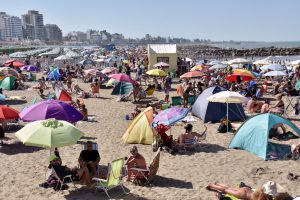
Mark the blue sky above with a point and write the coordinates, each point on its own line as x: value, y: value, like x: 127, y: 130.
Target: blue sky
x: 247, y: 20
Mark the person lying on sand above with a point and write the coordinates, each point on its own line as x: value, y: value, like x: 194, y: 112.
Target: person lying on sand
x: 136, y: 160
x: 62, y: 171
x: 41, y: 84
x: 269, y: 191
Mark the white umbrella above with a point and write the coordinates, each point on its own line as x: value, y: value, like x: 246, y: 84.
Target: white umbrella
x: 295, y: 62
x: 227, y: 97
x: 218, y: 66
x: 262, y: 62
x: 275, y: 67
x: 275, y: 73
x: 63, y: 57
x: 188, y: 60
x: 214, y: 62
x: 239, y: 61
x: 161, y: 64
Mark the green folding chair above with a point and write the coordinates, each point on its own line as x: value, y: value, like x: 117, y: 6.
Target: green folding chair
x: 114, y: 177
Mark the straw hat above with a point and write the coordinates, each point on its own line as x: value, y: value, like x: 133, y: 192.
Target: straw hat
x: 272, y: 188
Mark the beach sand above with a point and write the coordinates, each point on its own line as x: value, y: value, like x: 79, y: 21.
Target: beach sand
x: 23, y: 168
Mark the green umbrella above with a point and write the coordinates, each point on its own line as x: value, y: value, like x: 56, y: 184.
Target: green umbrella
x: 49, y: 134
x: 297, y: 86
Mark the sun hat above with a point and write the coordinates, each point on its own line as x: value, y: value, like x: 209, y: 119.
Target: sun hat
x: 51, y: 158
x: 272, y: 188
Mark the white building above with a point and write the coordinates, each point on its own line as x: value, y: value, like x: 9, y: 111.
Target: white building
x: 10, y: 27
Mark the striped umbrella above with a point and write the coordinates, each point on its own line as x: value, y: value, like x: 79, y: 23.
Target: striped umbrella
x: 7, y: 71
x: 192, y: 74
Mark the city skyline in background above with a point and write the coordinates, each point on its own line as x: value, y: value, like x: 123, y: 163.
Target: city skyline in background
x: 216, y: 19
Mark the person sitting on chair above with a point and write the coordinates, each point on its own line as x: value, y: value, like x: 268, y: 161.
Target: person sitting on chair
x: 62, y: 171
x: 136, y: 160
x: 89, y: 158
x: 187, y: 139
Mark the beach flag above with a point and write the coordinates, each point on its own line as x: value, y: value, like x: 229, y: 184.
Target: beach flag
x: 62, y: 94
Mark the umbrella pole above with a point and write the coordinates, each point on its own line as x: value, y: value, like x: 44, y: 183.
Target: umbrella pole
x: 227, y: 117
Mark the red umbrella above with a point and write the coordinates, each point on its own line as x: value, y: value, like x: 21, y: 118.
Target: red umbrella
x: 192, y: 74
x: 243, y: 77
x: 8, y: 113
x: 15, y: 63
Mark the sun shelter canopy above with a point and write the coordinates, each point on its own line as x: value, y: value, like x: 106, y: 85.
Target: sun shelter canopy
x: 211, y: 111
x: 140, y: 131
x: 253, y: 135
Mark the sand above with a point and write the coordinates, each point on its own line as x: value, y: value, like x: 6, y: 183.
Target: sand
x: 179, y: 177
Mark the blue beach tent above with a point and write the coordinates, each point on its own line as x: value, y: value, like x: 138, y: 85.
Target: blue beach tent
x: 253, y: 135
x: 211, y: 111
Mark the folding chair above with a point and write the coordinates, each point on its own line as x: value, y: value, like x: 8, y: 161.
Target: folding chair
x: 114, y: 177
x: 63, y: 180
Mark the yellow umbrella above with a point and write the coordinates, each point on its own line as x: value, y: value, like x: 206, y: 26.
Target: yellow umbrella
x: 243, y: 71
x: 156, y: 72
x: 126, y: 61
x: 199, y: 68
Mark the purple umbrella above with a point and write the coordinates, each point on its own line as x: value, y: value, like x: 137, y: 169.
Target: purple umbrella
x: 171, y: 116
x: 31, y: 68
x: 51, y: 109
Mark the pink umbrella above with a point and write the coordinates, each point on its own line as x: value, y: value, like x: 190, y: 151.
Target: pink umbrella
x: 192, y: 74
x: 93, y: 72
x: 122, y: 78
x: 108, y: 70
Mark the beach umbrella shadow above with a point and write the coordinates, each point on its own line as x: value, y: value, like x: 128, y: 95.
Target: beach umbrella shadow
x: 17, y: 148
x: 161, y: 181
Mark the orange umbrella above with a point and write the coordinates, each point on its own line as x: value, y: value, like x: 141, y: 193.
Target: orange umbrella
x: 192, y: 74
x: 15, y: 63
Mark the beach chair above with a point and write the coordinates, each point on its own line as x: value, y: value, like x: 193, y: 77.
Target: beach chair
x: 95, y: 147
x: 114, y: 177
x: 176, y: 100
x: 149, y: 173
x: 62, y: 180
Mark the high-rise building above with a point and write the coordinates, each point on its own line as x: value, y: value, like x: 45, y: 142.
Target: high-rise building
x: 10, y: 27
x: 53, y: 33
x: 33, y: 25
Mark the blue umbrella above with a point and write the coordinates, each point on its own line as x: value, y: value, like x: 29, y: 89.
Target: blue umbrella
x: 87, y: 61
x: 54, y: 74
x: 171, y: 116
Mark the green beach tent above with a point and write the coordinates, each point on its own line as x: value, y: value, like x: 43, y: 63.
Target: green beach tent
x: 297, y: 86
x: 122, y: 88
x: 7, y: 83
x: 253, y: 135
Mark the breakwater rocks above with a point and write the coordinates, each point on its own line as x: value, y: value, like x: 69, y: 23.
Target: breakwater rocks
x: 196, y: 51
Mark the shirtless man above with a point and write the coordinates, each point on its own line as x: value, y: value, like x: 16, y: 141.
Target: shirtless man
x: 136, y: 160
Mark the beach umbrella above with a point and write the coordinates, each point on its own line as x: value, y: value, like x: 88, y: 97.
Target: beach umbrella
x: 274, y: 67
x: 100, y: 60
x: 63, y: 57
x: 262, y: 62
x: 295, y: 62
x: 126, y: 61
x: 188, y: 59
x: 121, y: 77
x: 193, y: 74
x: 161, y: 64
x: 15, y: 63
x: 54, y: 74
x: 227, y: 97
x: 214, y: 62
x: 297, y: 86
x: 218, y: 66
x: 239, y: 61
x: 7, y: 71
x: 111, y: 82
x: 49, y: 134
x: 8, y: 113
x: 275, y: 73
x: 30, y: 68
x: 108, y: 70
x: 93, y: 72
x: 243, y: 77
x: 171, y: 115
x: 243, y: 71
x: 156, y: 72
x: 51, y: 109
x: 87, y: 62
x: 200, y: 68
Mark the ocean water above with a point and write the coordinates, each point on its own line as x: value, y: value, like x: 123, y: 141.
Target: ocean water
x: 252, y: 45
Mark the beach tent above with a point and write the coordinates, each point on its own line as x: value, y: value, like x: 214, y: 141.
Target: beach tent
x: 7, y: 83
x: 122, y: 88
x: 253, y: 134
x: 140, y: 131
x: 62, y: 94
x: 211, y: 111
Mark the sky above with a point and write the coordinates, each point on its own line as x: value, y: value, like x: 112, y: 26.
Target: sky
x: 239, y: 20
